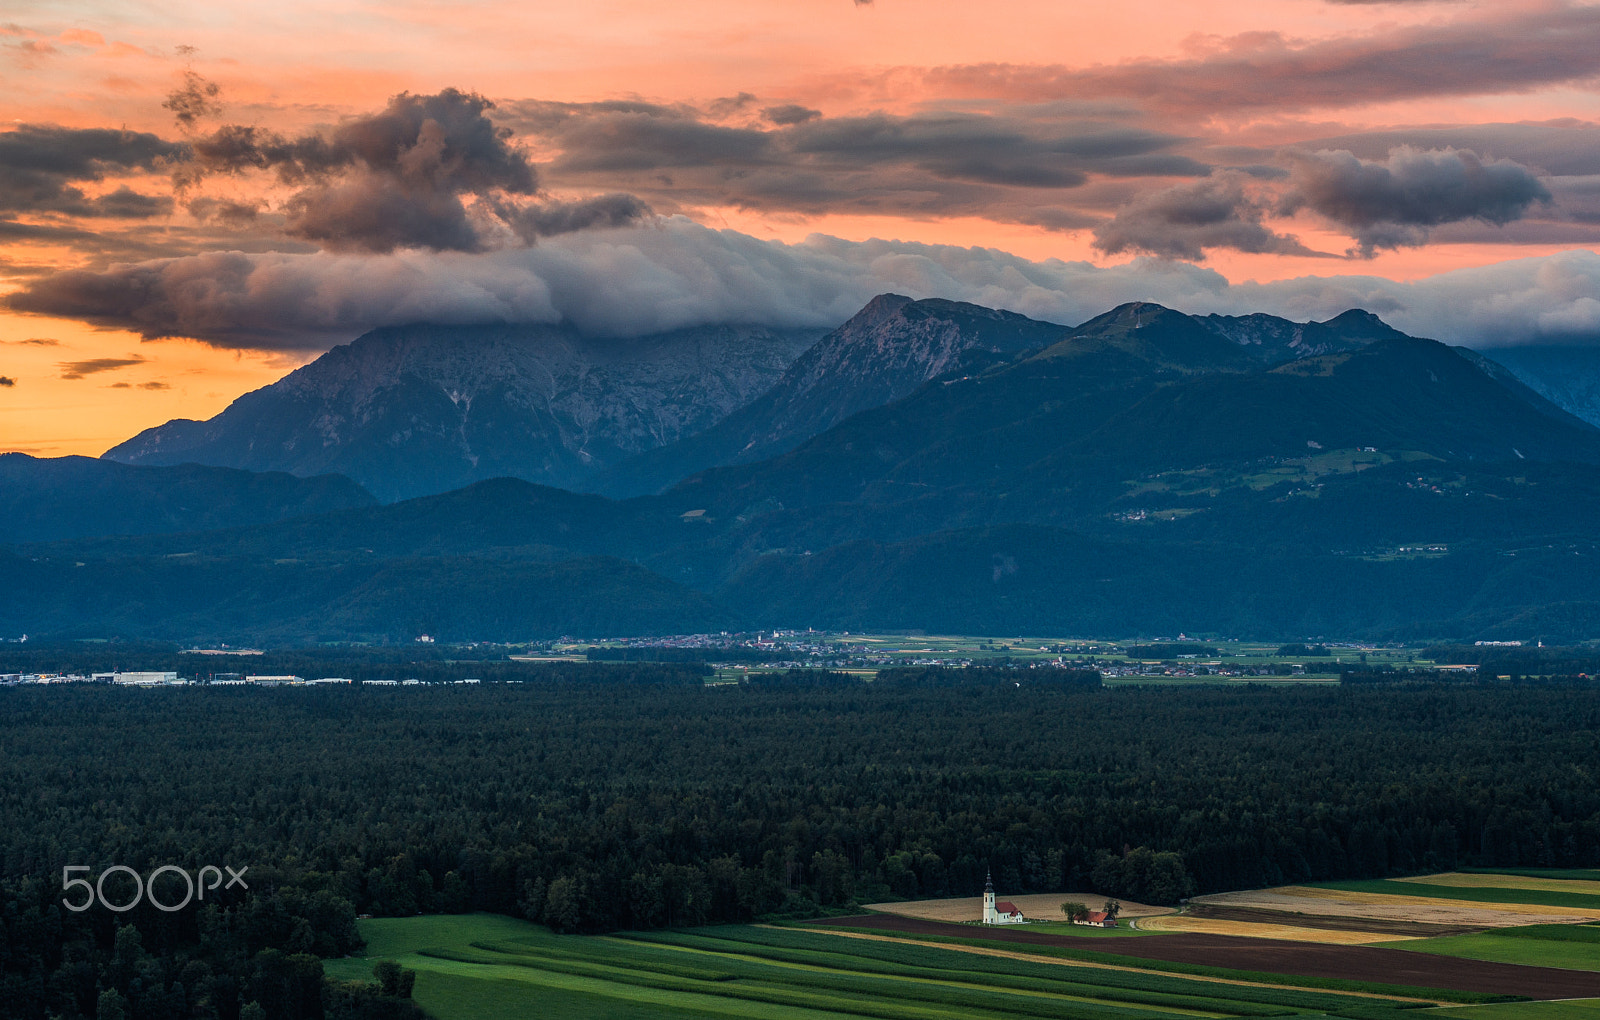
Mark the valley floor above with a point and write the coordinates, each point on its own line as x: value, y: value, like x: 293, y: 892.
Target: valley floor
x: 912, y: 965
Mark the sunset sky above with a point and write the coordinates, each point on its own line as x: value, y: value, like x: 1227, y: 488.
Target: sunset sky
x: 197, y: 197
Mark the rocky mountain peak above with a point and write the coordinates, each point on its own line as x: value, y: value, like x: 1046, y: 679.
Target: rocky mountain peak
x: 418, y: 409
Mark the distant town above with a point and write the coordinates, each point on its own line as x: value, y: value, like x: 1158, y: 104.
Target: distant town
x: 731, y: 657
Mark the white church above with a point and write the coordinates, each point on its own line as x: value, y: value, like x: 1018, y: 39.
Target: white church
x: 1004, y: 912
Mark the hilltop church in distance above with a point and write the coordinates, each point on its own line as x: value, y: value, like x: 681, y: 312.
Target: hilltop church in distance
x: 1004, y: 912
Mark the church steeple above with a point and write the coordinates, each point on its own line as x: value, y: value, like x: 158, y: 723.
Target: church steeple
x: 990, y: 914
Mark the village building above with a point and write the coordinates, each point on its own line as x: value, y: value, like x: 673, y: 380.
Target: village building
x: 1098, y: 919
x: 1003, y: 912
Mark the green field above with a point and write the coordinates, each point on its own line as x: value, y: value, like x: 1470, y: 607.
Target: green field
x: 485, y: 967
x: 1500, y: 949
x: 1568, y: 946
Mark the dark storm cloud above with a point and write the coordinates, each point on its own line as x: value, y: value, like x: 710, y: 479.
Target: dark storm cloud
x: 12, y: 230
x: 1003, y: 165
x: 397, y: 178
x: 42, y: 167
x: 993, y: 149
x: 547, y: 219
x: 629, y: 140
x: 1387, y: 203
x: 93, y: 366
x: 236, y: 214
x: 1559, y: 147
x: 1393, y: 203
x: 1181, y: 222
x: 790, y: 114
x: 126, y: 203
x: 1548, y: 45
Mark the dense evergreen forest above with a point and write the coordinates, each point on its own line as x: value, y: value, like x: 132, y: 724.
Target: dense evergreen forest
x: 590, y: 804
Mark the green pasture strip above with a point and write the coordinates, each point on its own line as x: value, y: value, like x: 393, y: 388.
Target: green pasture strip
x: 547, y: 986
x: 1229, y: 974
x: 1532, y: 897
x: 603, y: 971
x: 803, y: 945
x: 1551, y: 932
x: 830, y: 971
x: 886, y: 1001
x: 1496, y: 948
x: 1575, y: 874
x: 459, y: 997
x: 1567, y: 1009
x: 891, y: 991
x: 671, y: 968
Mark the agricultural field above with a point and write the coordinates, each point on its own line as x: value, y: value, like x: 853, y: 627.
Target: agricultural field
x: 1464, y: 901
x: 1267, y: 929
x: 1571, y: 947
x: 485, y: 967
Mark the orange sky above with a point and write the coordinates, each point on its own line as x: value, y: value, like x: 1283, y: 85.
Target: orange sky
x: 297, y: 66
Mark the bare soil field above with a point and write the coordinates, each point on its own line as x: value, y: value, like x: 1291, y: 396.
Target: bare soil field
x: 1354, y: 963
x: 1039, y: 906
x: 1267, y: 930
x: 1299, y: 899
x: 1380, y: 925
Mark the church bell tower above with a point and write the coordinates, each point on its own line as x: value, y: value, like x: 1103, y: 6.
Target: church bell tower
x: 990, y: 915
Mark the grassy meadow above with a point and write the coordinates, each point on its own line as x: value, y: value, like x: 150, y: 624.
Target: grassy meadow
x: 487, y: 967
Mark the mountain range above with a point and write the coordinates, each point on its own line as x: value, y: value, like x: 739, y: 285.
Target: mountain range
x: 1568, y: 376
x: 942, y: 466
x: 421, y: 409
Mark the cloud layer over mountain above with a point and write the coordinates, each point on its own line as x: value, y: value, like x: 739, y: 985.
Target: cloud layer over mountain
x: 619, y: 282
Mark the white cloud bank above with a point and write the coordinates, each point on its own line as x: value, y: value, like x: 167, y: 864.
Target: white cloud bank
x: 677, y: 273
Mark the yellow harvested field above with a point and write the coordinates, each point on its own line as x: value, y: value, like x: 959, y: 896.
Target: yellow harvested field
x: 1459, y: 880
x: 1296, y: 899
x: 1387, y: 899
x: 1286, y: 932
x: 1038, y: 906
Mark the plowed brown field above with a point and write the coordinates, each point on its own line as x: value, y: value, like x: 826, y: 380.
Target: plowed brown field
x: 1353, y: 963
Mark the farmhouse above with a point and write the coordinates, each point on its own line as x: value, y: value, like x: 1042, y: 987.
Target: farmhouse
x: 1097, y: 919
x: 1003, y: 912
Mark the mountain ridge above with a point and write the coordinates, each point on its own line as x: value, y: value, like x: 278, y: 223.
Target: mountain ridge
x: 882, y: 353
x: 1144, y: 473
x: 52, y: 499
x: 411, y: 410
